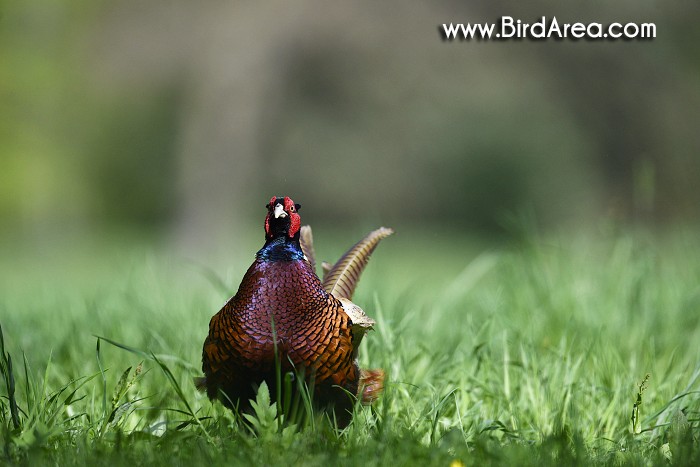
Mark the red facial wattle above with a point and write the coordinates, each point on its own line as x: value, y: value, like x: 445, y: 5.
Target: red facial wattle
x: 270, y: 206
x: 294, y: 224
x: 294, y: 218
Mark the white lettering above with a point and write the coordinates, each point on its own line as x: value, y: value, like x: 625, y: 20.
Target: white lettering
x: 537, y: 29
x: 554, y: 29
x: 648, y: 30
x: 486, y: 30
x: 633, y: 27
x: 507, y: 28
x: 578, y: 30
x: 612, y: 30
x: 595, y: 30
x: 451, y: 30
x: 566, y: 29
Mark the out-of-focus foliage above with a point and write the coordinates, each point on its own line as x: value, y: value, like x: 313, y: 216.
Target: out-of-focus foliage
x: 188, y: 115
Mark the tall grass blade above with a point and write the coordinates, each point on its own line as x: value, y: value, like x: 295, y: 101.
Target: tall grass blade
x: 104, y: 379
x: 178, y: 390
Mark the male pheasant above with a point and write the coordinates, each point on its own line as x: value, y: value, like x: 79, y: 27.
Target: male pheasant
x: 281, y: 305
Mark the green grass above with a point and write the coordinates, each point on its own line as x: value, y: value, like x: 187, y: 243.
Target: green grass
x: 533, y: 354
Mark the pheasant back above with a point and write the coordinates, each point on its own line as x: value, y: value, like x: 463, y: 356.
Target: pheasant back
x: 280, y: 306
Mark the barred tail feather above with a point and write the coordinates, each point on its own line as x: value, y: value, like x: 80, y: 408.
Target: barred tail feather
x: 342, y: 279
x: 306, y: 240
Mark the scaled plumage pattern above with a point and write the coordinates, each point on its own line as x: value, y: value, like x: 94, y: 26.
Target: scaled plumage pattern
x: 316, y: 325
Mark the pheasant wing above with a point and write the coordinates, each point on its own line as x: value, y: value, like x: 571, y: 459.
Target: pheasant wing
x: 361, y: 323
x: 342, y: 279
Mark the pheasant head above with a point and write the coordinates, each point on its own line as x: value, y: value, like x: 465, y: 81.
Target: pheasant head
x: 282, y: 218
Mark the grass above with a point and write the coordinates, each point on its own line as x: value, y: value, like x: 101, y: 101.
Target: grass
x: 552, y: 351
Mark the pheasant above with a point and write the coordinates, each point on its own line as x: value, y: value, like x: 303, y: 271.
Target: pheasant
x: 282, y: 306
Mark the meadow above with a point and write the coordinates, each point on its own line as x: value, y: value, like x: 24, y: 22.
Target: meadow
x: 548, y: 350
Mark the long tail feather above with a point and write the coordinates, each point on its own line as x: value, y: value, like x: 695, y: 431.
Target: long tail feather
x: 342, y: 279
x: 306, y: 240
x: 326, y: 267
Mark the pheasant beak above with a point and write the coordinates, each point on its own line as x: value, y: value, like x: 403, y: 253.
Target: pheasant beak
x: 279, y: 211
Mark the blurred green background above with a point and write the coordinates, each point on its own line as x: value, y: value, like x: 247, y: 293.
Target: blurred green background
x: 180, y: 119
x: 544, y: 196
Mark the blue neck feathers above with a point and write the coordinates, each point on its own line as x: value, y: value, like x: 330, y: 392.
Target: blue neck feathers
x: 281, y: 249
